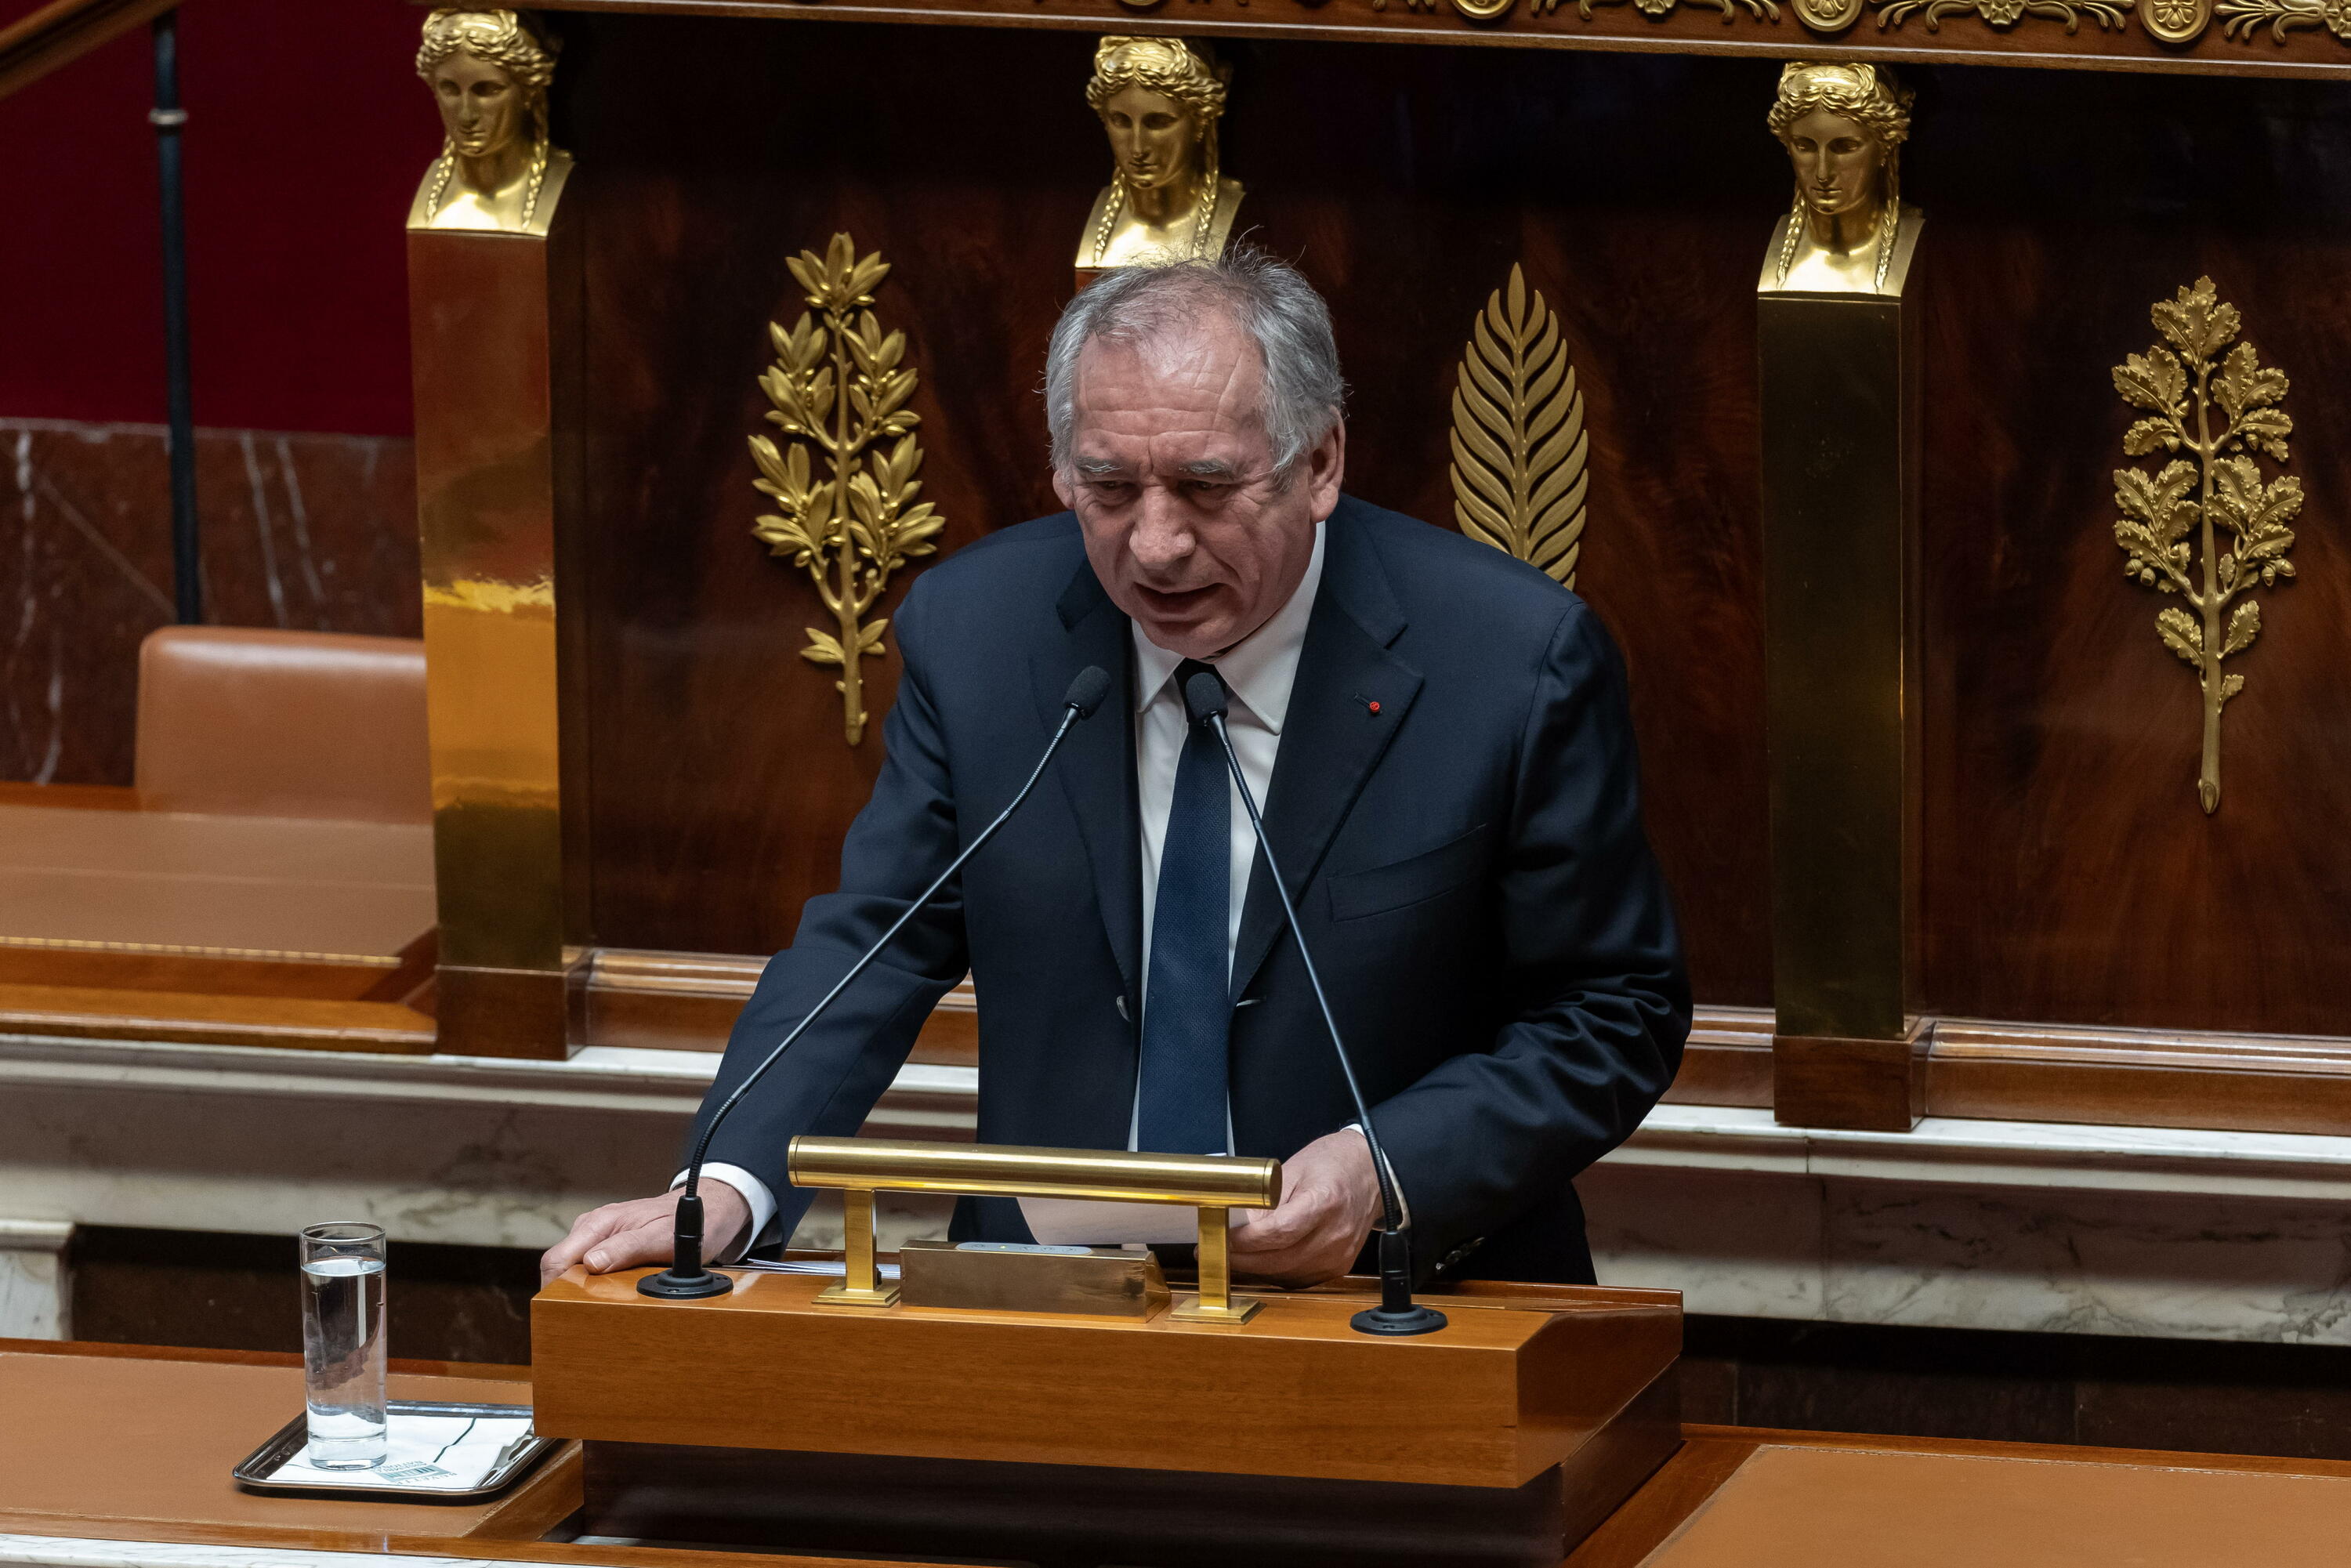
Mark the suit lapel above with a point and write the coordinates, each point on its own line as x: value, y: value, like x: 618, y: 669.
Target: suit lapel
x: 1097, y: 762
x: 1331, y: 738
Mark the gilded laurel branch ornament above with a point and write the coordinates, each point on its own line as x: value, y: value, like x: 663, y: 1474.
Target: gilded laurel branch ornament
x: 838, y: 386
x: 2210, y: 510
x: 1518, y: 435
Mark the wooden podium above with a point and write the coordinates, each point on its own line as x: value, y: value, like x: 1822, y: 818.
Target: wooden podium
x: 761, y: 1419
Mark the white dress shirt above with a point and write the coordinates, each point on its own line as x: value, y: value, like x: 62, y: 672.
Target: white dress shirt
x: 1260, y: 670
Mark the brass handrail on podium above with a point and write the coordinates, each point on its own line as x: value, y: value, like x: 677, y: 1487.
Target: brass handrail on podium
x: 858, y: 1167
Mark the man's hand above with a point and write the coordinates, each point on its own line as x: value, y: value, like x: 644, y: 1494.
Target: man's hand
x: 1330, y: 1201
x: 638, y: 1232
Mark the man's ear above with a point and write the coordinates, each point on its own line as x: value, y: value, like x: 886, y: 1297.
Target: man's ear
x: 1326, y: 467
x: 1065, y: 489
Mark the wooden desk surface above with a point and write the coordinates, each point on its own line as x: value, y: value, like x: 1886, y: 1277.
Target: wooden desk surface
x: 106, y: 1442
x: 168, y: 882
x: 1738, y: 1498
x: 71, y: 797
x: 135, y: 1443
x: 100, y: 1441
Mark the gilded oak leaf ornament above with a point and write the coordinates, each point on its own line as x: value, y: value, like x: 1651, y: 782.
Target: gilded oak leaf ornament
x: 2206, y: 526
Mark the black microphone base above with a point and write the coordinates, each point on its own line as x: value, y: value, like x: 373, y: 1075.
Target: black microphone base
x: 1397, y: 1314
x: 1412, y: 1319
x: 670, y: 1285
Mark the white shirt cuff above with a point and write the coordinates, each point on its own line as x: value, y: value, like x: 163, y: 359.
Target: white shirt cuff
x: 755, y: 1193
x: 1404, y: 1204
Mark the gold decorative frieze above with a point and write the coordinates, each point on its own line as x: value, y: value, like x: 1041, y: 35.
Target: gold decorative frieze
x: 1762, y: 10
x: 839, y: 387
x: 1518, y: 435
x: 2167, y: 24
x: 2004, y: 14
x: 2241, y: 19
x: 2176, y: 21
x: 1828, y: 15
x: 2205, y: 527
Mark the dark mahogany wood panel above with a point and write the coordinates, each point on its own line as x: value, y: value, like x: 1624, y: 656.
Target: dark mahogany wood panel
x: 2070, y: 874
x: 722, y: 783
x: 1408, y: 184
x: 1638, y: 191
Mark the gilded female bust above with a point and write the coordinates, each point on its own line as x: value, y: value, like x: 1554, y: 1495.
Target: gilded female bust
x: 1848, y: 232
x: 489, y: 72
x: 1159, y: 100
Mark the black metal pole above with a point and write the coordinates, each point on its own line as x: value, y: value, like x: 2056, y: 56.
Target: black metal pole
x: 168, y: 117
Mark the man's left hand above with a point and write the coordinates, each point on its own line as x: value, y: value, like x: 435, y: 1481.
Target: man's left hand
x: 1329, y: 1201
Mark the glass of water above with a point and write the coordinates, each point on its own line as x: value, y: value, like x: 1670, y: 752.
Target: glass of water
x: 342, y: 1343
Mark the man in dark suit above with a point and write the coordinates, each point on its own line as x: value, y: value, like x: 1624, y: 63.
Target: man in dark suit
x: 1440, y: 738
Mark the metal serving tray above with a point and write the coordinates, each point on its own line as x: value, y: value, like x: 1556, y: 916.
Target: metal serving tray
x: 254, y: 1471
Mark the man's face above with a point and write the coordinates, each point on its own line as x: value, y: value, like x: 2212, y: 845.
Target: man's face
x: 1172, y: 479
x: 479, y: 106
x: 1836, y: 162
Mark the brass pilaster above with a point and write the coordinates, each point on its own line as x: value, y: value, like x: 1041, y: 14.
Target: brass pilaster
x: 1839, y: 551
x: 1840, y: 540
x: 494, y: 314
x: 486, y: 338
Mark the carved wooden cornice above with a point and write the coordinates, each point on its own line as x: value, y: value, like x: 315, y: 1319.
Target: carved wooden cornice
x: 2209, y: 37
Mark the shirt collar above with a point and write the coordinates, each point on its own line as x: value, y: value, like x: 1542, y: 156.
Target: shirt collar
x: 1259, y: 669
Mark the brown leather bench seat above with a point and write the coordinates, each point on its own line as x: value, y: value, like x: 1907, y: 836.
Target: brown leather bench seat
x: 281, y: 843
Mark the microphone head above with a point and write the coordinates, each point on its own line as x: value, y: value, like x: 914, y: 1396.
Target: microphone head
x: 1086, y: 693
x: 1204, y: 696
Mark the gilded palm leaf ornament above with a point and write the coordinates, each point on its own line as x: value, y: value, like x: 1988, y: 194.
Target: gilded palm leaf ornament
x: 838, y: 386
x: 2206, y: 526
x: 1518, y: 435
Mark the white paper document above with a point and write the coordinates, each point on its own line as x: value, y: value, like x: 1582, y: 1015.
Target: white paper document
x: 422, y: 1453
x: 1089, y: 1222
x: 824, y: 1268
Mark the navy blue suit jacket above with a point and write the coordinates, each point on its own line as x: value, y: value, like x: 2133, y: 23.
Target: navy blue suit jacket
x: 1468, y: 863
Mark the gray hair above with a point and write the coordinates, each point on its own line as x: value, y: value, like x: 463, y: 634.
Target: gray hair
x: 1267, y: 299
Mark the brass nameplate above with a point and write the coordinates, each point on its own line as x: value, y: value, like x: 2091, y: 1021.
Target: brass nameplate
x: 994, y: 1276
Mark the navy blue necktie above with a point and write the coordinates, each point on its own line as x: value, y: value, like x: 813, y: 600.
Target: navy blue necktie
x: 1180, y: 1108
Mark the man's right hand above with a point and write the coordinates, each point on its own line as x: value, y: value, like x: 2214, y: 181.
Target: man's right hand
x: 634, y: 1234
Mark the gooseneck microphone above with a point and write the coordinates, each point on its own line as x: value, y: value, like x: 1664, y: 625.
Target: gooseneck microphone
x: 685, y: 1278
x: 1397, y: 1313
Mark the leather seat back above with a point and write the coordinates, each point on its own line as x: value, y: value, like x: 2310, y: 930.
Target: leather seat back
x: 248, y: 722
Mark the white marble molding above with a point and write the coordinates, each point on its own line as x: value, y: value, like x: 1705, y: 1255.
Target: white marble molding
x: 67, y: 1551
x: 35, y: 1302
x: 1997, y: 1225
